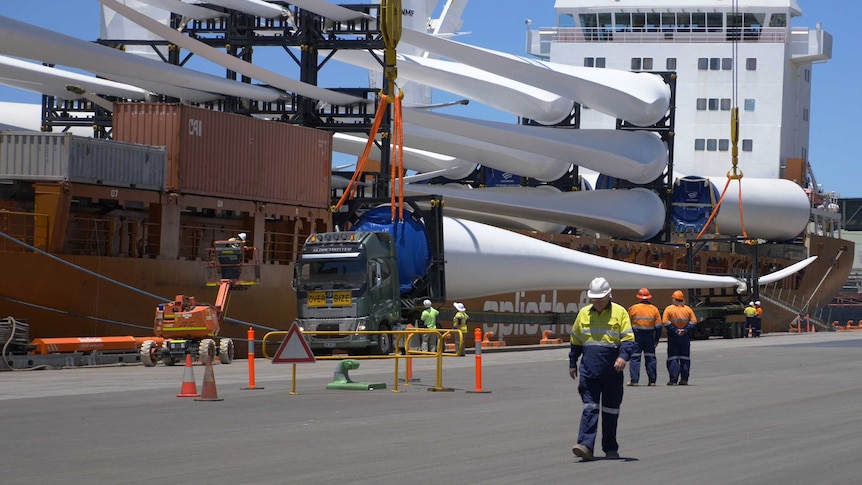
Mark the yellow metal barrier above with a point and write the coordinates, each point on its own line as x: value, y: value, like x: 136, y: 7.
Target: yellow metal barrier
x: 399, y: 337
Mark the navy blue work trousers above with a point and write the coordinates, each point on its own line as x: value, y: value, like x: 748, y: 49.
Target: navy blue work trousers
x: 678, y: 356
x: 646, y: 345
x: 603, y: 394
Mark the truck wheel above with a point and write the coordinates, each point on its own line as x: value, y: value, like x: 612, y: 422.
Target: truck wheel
x: 225, y: 350
x: 384, y: 341
x: 148, y: 353
x: 206, y: 348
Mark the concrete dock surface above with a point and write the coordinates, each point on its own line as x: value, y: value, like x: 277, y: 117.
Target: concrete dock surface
x: 783, y: 408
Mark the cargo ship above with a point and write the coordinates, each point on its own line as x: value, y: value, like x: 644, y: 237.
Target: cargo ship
x: 147, y: 228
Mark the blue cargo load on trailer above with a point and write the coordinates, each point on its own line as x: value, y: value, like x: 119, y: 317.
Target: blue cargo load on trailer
x: 411, y: 242
x: 692, y: 202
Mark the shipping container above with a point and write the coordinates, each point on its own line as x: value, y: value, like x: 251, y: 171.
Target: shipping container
x: 66, y: 157
x: 232, y: 156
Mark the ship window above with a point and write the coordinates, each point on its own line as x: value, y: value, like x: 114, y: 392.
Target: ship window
x: 589, y: 61
x: 723, y: 144
x: 653, y: 20
x: 671, y: 64
x: 623, y: 22
x: 600, y: 62
x: 606, y: 26
x: 713, y: 104
x: 714, y: 63
x: 749, y: 104
x: 726, y: 63
x: 638, y: 22
x: 698, y: 22
x: 702, y: 63
x: 699, y: 144
x: 747, y: 145
x: 725, y: 104
x: 778, y: 20
x: 683, y: 22
x: 804, y: 114
x: 711, y: 144
x: 566, y: 20
x: 647, y: 63
x: 808, y: 75
x: 668, y: 22
x: 701, y: 104
x: 636, y: 63
x: 751, y: 64
x: 590, y: 25
x: 714, y: 21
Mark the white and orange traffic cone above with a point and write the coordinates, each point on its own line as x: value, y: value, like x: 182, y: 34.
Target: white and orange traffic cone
x: 208, y: 386
x: 189, y: 388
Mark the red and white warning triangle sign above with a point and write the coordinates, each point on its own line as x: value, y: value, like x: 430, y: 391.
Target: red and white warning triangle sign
x: 294, y: 349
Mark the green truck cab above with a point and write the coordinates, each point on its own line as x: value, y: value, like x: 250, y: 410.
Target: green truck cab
x: 346, y: 282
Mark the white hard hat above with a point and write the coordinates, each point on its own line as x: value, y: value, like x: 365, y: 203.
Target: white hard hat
x: 599, y: 288
x: 751, y: 304
x: 427, y: 303
x: 757, y: 303
x: 460, y: 306
x: 242, y: 235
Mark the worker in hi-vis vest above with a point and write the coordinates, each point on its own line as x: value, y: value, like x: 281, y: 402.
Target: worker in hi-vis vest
x: 680, y: 321
x: 459, y: 323
x: 646, y: 323
x: 750, y: 317
x: 429, y: 318
x: 602, y: 338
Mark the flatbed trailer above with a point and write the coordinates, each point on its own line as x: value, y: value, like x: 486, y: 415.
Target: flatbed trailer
x: 727, y: 321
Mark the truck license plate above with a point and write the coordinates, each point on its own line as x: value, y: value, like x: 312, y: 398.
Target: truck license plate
x: 341, y: 298
x: 316, y: 298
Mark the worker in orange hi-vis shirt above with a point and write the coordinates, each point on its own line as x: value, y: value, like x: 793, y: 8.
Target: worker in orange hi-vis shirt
x: 679, y: 320
x: 646, y: 323
x: 758, y: 321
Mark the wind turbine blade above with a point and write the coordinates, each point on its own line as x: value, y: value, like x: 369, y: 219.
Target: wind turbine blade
x: 186, y: 10
x: 636, y: 214
x: 230, y: 62
x: 31, y: 42
x: 637, y: 156
x: 329, y: 10
x: 640, y: 98
x: 53, y: 81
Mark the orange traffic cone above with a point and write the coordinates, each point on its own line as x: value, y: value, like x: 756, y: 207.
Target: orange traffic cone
x: 208, y: 386
x: 189, y: 388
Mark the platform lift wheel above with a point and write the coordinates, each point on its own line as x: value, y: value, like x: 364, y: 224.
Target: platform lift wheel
x: 148, y: 353
x: 207, y: 348
x: 225, y: 350
x: 166, y: 355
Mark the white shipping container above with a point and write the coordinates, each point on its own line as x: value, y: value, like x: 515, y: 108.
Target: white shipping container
x: 69, y: 158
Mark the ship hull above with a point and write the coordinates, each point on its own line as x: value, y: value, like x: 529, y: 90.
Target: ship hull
x: 36, y: 284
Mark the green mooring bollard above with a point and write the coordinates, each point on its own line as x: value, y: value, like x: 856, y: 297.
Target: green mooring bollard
x: 341, y: 378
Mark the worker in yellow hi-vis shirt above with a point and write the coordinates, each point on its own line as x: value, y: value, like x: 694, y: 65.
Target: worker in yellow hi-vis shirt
x: 459, y: 323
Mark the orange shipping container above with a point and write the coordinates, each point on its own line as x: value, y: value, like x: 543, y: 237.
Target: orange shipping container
x: 232, y: 156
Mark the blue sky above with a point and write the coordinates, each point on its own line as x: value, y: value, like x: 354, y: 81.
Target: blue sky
x: 499, y: 25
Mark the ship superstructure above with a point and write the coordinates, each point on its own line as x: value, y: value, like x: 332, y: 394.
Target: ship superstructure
x: 725, y: 54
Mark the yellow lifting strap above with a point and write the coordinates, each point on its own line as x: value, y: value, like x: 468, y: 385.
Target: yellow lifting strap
x: 735, y: 173
x: 397, y: 165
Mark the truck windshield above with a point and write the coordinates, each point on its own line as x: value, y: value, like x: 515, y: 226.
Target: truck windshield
x: 332, y: 274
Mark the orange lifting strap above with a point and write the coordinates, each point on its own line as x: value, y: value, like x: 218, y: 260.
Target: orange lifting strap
x: 397, y: 165
x: 734, y: 173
